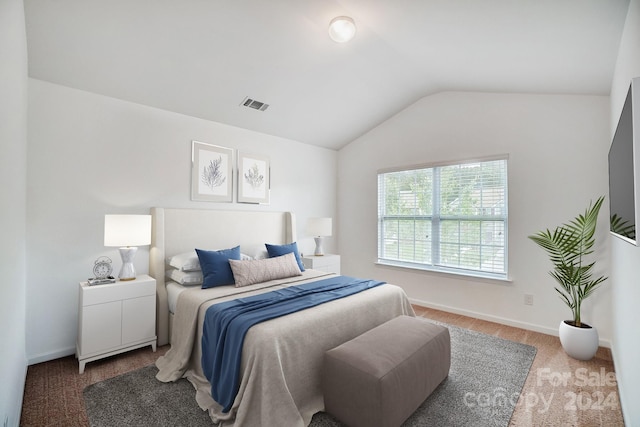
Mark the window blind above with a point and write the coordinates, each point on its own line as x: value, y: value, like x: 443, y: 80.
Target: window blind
x: 449, y: 217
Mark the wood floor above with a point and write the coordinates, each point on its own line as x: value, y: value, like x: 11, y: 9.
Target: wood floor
x: 559, y: 391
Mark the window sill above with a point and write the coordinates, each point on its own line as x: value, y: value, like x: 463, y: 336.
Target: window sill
x: 447, y: 272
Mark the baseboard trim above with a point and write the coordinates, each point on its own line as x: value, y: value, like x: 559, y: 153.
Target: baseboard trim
x: 45, y: 357
x: 621, y: 396
x: 497, y: 319
x: 20, y: 393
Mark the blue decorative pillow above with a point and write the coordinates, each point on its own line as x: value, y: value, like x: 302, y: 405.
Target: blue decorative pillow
x: 279, y: 250
x: 215, y: 266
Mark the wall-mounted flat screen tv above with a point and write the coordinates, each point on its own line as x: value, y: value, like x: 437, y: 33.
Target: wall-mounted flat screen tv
x: 622, y: 191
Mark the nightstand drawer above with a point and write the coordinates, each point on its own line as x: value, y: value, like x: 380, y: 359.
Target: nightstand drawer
x: 100, y: 294
x: 329, y: 263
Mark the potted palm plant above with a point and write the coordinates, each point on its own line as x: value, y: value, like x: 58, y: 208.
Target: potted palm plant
x: 568, y: 247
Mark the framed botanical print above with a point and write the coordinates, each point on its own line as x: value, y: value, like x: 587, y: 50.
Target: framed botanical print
x: 211, y: 172
x: 253, y: 178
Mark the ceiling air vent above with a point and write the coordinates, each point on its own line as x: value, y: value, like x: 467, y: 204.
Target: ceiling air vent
x: 256, y: 105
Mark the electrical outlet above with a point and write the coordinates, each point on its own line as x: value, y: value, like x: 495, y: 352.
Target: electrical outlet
x: 528, y: 299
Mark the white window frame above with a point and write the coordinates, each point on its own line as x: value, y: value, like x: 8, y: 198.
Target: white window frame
x: 433, y: 239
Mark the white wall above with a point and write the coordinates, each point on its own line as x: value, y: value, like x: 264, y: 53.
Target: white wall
x: 90, y: 155
x: 557, y: 147
x: 13, y: 143
x: 625, y: 257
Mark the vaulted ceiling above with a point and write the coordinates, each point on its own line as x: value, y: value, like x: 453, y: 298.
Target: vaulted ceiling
x: 203, y: 57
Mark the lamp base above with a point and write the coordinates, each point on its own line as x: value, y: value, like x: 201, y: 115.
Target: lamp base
x: 319, y: 249
x: 128, y: 271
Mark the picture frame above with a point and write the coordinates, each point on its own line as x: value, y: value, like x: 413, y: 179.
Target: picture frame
x: 254, y: 178
x: 211, y: 172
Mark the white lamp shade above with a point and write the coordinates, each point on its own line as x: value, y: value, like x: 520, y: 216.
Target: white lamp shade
x: 127, y: 230
x: 320, y: 227
x: 342, y: 29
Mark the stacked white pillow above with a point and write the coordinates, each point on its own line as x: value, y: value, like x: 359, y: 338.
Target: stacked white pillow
x: 187, y: 261
x: 186, y: 268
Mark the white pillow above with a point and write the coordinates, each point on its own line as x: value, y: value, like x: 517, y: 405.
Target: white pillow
x: 262, y: 270
x: 261, y: 254
x: 188, y: 261
x: 186, y: 278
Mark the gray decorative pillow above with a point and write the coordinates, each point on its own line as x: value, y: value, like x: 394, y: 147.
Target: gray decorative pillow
x: 262, y: 270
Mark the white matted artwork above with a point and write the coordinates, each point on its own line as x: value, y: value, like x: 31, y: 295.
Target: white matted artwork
x: 253, y: 178
x: 211, y: 172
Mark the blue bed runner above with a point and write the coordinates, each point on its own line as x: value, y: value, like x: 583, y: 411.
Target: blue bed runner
x: 226, y: 324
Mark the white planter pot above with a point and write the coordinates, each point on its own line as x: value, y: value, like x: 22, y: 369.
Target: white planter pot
x: 579, y: 343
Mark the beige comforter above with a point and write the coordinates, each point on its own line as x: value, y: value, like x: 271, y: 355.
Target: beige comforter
x: 281, y: 358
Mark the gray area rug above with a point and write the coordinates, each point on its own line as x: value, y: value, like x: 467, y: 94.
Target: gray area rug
x: 482, y: 389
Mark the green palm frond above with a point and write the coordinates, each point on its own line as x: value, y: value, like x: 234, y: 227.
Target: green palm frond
x: 567, y: 246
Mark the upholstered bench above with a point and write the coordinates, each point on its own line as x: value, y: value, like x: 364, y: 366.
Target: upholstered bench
x: 381, y: 377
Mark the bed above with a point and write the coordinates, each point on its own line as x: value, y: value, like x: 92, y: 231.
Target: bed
x: 280, y: 373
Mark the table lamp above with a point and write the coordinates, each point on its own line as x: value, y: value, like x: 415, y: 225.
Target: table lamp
x: 127, y: 232
x: 319, y: 228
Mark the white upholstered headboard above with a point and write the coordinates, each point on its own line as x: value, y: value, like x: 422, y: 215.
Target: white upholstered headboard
x: 180, y: 230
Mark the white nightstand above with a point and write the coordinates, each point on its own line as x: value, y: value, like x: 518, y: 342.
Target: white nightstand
x: 115, y: 318
x: 327, y: 262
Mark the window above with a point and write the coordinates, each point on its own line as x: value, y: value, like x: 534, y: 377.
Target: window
x: 449, y: 218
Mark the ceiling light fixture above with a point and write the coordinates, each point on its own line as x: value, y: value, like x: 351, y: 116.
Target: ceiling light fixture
x: 342, y: 29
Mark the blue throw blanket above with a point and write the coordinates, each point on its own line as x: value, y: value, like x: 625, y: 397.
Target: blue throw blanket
x: 226, y: 324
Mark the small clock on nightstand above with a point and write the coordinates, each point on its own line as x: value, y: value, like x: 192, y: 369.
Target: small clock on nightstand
x: 102, y: 269
x: 327, y: 262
